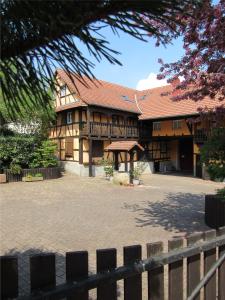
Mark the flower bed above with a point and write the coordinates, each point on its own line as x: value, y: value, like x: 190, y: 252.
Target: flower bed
x: 47, y: 173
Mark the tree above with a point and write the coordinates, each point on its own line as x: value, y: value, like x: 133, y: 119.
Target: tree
x: 203, y: 64
x: 38, y: 36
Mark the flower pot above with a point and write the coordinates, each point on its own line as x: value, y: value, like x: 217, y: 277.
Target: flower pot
x: 111, y: 178
x: 31, y: 179
x: 2, y: 178
x: 214, y: 211
x: 136, y: 181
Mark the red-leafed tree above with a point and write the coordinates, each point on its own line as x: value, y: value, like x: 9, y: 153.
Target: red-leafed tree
x: 203, y: 65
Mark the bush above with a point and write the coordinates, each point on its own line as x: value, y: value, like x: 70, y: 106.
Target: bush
x: 213, y: 154
x: 108, y: 167
x: 16, y: 151
x: 139, y: 170
x: 44, y: 156
x: 221, y: 193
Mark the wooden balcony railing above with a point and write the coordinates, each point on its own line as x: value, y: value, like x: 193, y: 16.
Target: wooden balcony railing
x: 202, y: 135
x: 99, y: 129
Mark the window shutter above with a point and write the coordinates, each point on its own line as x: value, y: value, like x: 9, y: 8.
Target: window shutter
x: 69, y: 147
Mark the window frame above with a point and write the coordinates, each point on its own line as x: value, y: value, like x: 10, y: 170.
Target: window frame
x: 177, y: 124
x: 156, y: 126
x: 62, y: 90
x: 69, y: 117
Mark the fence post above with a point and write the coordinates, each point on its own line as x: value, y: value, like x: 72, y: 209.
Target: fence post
x: 42, y: 271
x: 221, y: 271
x: 106, y: 261
x: 193, y: 265
x: 9, y: 277
x: 77, y: 269
x: 156, y: 276
x: 132, y: 285
x: 209, y: 260
x: 176, y: 272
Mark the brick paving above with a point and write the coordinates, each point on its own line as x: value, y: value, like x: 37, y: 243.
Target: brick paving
x: 73, y: 213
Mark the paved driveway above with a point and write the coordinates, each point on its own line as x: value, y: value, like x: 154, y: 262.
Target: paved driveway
x: 73, y: 213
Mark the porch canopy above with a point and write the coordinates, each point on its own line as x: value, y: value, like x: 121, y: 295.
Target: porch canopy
x: 127, y: 147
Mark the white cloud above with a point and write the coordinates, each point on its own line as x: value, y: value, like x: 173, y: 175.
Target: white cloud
x: 150, y: 82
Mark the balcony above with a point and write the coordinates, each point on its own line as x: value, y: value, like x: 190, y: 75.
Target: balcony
x: 98, y: 129
x: 201, y: 135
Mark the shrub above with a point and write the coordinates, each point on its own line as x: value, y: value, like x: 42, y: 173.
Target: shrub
x: 44, y: 156
x: 213, y: 154
x: 15, y: 168
x: 38, y: 175
x: 108, y: 167
x: 16, y: 151
x: 221, y: 193
x: 138, y: 170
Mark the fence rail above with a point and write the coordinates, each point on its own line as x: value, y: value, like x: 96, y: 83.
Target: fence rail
x: 48, y: 173
x: 188, y: 253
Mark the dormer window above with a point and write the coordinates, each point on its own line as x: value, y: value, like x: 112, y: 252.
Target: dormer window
x: 69, y: 119
x: 63, y: 91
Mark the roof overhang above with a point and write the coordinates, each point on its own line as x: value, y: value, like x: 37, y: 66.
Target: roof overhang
x: 125, y: 146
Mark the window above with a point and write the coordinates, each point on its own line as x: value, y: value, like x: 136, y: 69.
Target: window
x: 176, y: 124
x: 97, y: 148
x: 156, y: 126
x: 69, y: 147
x: 69, y: 119
x: 63, y: 91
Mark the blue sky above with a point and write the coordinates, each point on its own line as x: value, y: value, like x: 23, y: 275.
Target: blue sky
x: 139, y: 59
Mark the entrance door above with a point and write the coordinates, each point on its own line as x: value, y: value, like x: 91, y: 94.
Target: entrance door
x: 186, y: 155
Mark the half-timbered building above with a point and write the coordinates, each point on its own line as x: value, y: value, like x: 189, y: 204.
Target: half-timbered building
x: 92, y: 116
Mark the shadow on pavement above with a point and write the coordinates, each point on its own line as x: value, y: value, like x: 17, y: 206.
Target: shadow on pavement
x: 179, y: 212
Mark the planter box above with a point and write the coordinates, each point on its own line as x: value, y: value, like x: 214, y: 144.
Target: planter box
x: 31, y: 179
x: 2, y: 178
x: 214, y: 211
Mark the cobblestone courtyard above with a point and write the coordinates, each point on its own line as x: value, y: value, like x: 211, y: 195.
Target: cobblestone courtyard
x: 72, y: 213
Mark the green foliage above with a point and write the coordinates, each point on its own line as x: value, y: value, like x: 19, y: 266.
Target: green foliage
x: 138, y: 170
x: 108, y: 167
x: 16, y: 150
x: 15, y: 168
x: 38, y: 36
x: 213, y: 154
x: 38, y: 175
x: 44, y: 156
x: 221, y: 193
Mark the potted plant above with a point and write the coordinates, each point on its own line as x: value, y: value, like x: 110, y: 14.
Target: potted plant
x: 108, y: 169
x: 137, y: 172
x: 215, y: 209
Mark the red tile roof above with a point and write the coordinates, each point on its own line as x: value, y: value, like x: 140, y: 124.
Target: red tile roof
x: 156, y: 106
x: 123, y: 146
x: 101, y: 93
x: 150, y: 104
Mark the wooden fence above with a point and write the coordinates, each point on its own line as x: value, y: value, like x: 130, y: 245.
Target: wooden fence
x: 48, y: 173
x: 197, y: 255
